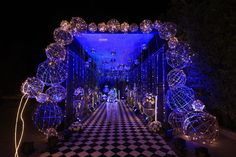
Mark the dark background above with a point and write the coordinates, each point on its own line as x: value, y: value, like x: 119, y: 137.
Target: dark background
x: 209, y: 26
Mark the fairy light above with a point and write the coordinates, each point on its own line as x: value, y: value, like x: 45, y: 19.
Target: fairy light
x: 23, y: 127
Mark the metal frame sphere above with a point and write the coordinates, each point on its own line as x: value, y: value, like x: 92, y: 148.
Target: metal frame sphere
x: 47, y: 115
x: 56, y: 93
x: 32, y: 87
x: 52, y: 73
x: 176, y: 78
x: 180, y: 98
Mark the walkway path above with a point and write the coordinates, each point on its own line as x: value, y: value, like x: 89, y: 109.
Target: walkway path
x: 127, y: 137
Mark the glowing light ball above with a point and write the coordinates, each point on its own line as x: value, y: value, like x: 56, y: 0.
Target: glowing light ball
x: 157, y: 24
x: 180, y: 56
x: 198, y: 105
x: 52, y: 73
x: 51, y: 132
x: 62, y: 37
x: 56, y: 52
x: 78, y: 25
x: 172, y: 43
x: 42, y: 98
x: 102, y: 27
x: 176, y: 119
x: 76, y: 126
x: 56, y: 93
x: 47, y: 115
x: 133, y: 27
x: 154, y: 126
x: 146, y: 26
x: 65, y: 25
x: 92, y: 27
x: 180, y: 98
x: 149, y: 105
x: 200, y: 126
x: 124, y: 27
x: 32, y: 87
x: 176, y: 78
x: 167, y: 30
x: 113, y: 26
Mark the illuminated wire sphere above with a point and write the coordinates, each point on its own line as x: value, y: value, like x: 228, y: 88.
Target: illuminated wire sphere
x: 200, y: 126
x: 180, y: 98
x: 176, y: 78
x: 167, y: 30
x: 62, y: 37
x: 149, y: 105
x: 198, y: 105
x: 92, y: 27
x: 157, y: 24
x: 56, y: 93
x: 55, y: 52
x: 176, y: 119
x: 113, y: 25
x: 47, y: 115
x: 146, y: 26
x: 32, y: 87
x: 124, y: 27
x: 172, y: 43
x: 180, y: 56
x: 52, y: 73
x: 102, y: 27
x: 78, y: 25
x: 133, y: 27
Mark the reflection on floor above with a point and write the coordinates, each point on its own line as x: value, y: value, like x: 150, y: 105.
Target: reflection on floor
x: 126, y: 137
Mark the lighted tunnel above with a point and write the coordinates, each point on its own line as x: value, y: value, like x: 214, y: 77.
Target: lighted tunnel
x: 145, y: 64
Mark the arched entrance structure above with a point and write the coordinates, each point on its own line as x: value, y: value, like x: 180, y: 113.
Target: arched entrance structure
x: 146, y: 59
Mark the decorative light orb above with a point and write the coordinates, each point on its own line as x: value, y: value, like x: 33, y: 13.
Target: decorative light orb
x: 56, y: 52
x: 180, y: 98
x: 52, y: 73
x: 62, y: 37
x: 167, y: 30
x: 180, y: 56
x: 92, y: 27
x: 42, y: 98
x: 176, y: 78
x: 32, y: 87
x: 146, y: 26
x: 51, y: 132
x: 154, y: 126
x: 113, y: 25
x: 102, y: 27
x: 79, y: 91
x: 78, y: 25
x: 65, y: 25
x: 172, y: 43
x: 47, y: 115
x: 157, y: 24
x: 76, y: 126
x: 201, y: 127
x: 133, y: 27
x: 124, y: 27
x: 198, y: 105
x: 176, y: 119
x: 56, y: 93
x: 149, y: 105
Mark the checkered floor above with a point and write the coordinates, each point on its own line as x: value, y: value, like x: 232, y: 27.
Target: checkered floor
x: 127, y: 136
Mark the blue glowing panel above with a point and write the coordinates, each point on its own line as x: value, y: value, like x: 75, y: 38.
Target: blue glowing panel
x: 111, y: 50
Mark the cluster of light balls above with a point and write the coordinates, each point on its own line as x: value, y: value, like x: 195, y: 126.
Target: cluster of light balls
x: 187, y: 116
x: 53, y: 71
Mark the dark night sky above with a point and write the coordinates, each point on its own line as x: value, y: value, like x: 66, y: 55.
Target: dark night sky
x: 27, y: 29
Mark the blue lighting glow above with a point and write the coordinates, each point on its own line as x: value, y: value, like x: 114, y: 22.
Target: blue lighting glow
x: 121, y: 47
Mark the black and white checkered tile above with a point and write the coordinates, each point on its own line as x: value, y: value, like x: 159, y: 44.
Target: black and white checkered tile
x: 128, y: 136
